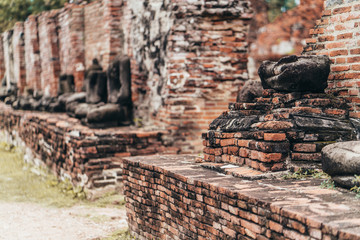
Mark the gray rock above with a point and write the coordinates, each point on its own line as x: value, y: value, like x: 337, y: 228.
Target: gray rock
x: 252, y: 89
x: 345, y: 181
x: 107, y: 113
x: 82, y: 109
x: 76, y: 97
x: 341, y: 159
x: 296, y: 74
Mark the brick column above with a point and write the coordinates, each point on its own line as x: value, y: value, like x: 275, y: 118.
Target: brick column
x: 49, y: 52
x: 71, y: 43
x: 19, y: 57
x: 32, y: 54
x: 113, y: 18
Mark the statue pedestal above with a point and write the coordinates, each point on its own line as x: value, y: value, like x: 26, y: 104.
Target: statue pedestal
x: 279, y: 130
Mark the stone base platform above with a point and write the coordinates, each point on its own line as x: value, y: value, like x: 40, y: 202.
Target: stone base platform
x: 77, y: 152
x: 174, y: 197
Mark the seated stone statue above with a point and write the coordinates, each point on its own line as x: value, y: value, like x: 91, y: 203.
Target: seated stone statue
x: 95, y: 83
x: 342, y: 162
x: 78, y: 104
x: 66, y: 84
x: 296, y: 74
x: 118, y: 110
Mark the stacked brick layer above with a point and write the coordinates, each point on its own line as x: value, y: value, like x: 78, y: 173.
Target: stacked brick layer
x: 77, y: 152
x: 277, y: 128
x: 193, y: 57
x: 336, y: 35
x: 172, y: 197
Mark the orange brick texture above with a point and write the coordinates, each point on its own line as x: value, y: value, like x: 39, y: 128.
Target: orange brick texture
x: 71, y: 43
x: 278, y: 131
x: 336, y: 35
x: 77, y: 152
x: 206, y: 64
x: 49, y: 52
x: 32, y: 54
x: 172, y: 197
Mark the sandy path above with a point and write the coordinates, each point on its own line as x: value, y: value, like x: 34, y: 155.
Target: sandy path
x: 20, y: 221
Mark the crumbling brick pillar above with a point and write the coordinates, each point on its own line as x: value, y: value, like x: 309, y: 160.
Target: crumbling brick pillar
x: 71, y: 43
x: 19, y: 57
x: 49, y: 52
x: 206, y: 66
x: 95, y: 41
x: 336, y: 35
x: 32, y: 54
x: 112, y: 16
x: 2, y: 60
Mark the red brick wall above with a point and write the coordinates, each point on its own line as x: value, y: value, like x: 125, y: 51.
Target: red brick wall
x: 336, y: 35
x: 95, y: 41
x: 19, y: 56
x: 49, y: 52
x: 32, y: 54
x: 71, y: 43
x: 112, y: 24
x: 172, y: 197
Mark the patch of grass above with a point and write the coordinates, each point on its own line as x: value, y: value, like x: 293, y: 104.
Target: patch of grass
x: 356, y: 189
x: 328, y: 183
x: 23, y: 182
x: 110, y: 199
x: 306, y: 173
x: 123, y: 234
x: 19, y: 183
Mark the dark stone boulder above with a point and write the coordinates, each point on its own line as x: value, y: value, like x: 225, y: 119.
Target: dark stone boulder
x: 342, y: 162
x: 74, y: 97
x: 82, y: 109
x: 108, y: 115
x: 252, y: 89
x: 296, y: 74
x: 95, y: 83
x: 119, y: 81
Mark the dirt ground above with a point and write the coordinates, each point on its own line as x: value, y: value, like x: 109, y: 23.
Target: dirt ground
x: 31, y: 221
x: 34, y: 205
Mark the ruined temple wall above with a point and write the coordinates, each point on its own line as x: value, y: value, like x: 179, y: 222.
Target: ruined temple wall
x: 336, y: 35
x: 71, y: 43
x: 113, y: 31
x: 188, y: 58
x: 193, y: 56
x: 49, y: 52
x: 95, y: 43
x: 32, y: 54
x: 19, y: 56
